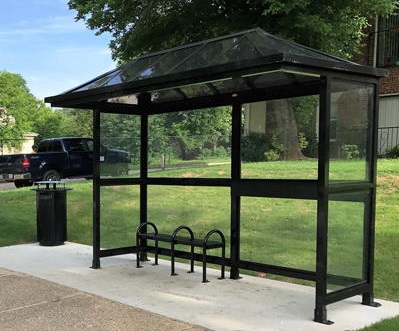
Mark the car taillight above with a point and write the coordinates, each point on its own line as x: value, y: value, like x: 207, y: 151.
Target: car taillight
x: 25, y: 163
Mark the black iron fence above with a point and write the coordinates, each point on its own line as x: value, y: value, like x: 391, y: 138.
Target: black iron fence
x: 388, y: 137
x: 172, y: 147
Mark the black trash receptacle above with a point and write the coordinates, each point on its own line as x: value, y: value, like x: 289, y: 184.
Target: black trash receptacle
x: 51, y: 212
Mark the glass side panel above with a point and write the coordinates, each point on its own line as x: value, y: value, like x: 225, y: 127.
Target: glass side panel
x: 195, y: 143
x: 172, y: 206
x: 346, y: 217
x: 280, y: 139
x: 120, y: 145
x: 119, y: 210
x: 279, y: 232
x: 351, y: 111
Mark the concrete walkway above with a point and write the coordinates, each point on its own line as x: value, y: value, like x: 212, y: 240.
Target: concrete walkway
x: 65, y: 294
x: 30, y: 303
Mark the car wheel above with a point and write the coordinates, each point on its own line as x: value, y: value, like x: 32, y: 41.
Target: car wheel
x: 52, y: 175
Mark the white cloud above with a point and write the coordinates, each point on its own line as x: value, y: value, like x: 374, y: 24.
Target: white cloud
x: 63, y: 24
x: 41, y: 40
x: 44, y: 26
x: 48, y: 2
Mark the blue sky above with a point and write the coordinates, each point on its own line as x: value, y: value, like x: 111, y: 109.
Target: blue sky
x: 40, y: 40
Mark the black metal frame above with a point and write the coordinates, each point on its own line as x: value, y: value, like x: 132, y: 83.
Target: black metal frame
x: 319, y: 190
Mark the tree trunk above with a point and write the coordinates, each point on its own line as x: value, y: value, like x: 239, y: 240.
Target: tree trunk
x: 281, y: 122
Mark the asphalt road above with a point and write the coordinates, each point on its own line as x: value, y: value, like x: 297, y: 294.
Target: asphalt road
x: 10, y: 186
x: 6, y: 186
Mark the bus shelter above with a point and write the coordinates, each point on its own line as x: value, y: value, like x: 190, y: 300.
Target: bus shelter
x: 308, y: 206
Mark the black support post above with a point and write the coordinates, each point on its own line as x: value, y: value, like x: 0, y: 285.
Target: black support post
x: 96, y: 189
x: 144, y: 102
x: 369, y: 225
x: 143, y: 168
x: 235, y: 198
x: 320, y: 312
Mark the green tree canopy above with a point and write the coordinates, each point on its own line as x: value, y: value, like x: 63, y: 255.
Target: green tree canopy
x: 195, y: 129
x: 18, y: 103
x: 22, y: 112
x: 77, y: 122
x: 138, y: 27
x: 22, y: 108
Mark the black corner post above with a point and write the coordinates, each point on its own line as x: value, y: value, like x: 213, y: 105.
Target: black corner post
x: 235, y: 198
x: 144, y: 102
x: 96, y: 189
x: 320, y: 312
x: 369, y: 238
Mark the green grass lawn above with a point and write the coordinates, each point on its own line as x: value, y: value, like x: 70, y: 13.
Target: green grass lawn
x: 274, y: 231
x: 391, y: 324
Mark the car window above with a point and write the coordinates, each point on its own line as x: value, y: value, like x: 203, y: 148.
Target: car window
x: 76, y: 145
x: 44, y: 146
x: 89, y: 145
x: 57, y: 146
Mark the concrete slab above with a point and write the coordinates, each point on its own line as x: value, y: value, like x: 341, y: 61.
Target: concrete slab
x: 250, y: 303
x: 28, y: 303
x: 20, y: 291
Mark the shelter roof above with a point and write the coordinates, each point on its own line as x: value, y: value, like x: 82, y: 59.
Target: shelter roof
x: 238, y: 62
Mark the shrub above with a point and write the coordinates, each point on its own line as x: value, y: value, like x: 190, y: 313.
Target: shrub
x: 277, y: 147
x: 350, y: 151
x: 392, y: 153
x: 303, y: 141
x: 272, y: 155
x: 206, y: 153
x: 311, y: 147
x: 220, y: 151
x: 253, y: 147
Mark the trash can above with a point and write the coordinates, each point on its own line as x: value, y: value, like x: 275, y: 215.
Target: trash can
x: 51, y: 212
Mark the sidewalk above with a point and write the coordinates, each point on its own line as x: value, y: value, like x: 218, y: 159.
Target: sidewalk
x: 30, y: 303
x: 53, y: 288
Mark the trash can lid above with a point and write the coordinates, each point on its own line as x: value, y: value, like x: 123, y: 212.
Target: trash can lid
x: 47, y: 183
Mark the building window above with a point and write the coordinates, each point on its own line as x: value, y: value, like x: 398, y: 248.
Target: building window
x: 388, y: 41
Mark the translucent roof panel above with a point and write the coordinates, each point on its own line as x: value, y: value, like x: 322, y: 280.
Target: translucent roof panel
x: 238, y: 62
x: 247, y: 45
x: 269, y: 44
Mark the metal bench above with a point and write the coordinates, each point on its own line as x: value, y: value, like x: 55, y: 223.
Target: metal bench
x: 175, y: 239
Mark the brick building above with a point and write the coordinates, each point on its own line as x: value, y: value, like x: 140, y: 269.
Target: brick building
x: 382, y: 50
